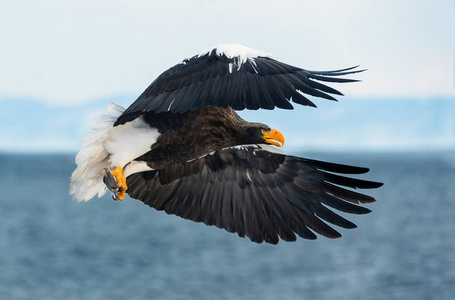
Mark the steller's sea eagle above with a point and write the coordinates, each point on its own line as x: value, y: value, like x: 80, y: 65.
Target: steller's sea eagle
x: 182, y: 148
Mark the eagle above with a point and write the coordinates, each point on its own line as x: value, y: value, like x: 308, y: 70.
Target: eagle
x: 181, y: 147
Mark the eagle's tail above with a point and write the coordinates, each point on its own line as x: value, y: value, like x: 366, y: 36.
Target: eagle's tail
x: 87, y: 179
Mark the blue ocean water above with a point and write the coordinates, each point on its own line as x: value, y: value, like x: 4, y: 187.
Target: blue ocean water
x: 52, y: 247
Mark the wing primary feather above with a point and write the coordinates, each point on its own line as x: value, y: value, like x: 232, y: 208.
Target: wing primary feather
x: 213, y: 97
x: 219, y: 195
x: 284, y: 229
x: 299, y: 98
x: 269, y: 230
x: 233, y: 89
x: 339, y: 72
x: 237, y: 217
x: 239, y: 97
x: 330, y: 79
x: 223, y: 90
x: 226, y: 205
x: 250, y: 221
x: 341, y: 205
x: 295, y: 218
x: 249, y: 101
x: 322, y: 87
x: 332, y: 217
x: 256, y: 102
x: 276, y: 93
x: 345, y: 194
x: 266, y: 99
x: 316, y: 93
x: 320, y: 227
x: 194, y: 211
x: 285, y: 85
x: 346, y: 181
x: 331, y: 167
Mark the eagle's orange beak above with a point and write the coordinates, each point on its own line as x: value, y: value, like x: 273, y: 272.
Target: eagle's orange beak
x: 274, y: 137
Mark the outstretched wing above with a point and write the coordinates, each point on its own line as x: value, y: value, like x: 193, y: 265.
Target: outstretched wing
x: 233, y: 76
x: 256, y: 193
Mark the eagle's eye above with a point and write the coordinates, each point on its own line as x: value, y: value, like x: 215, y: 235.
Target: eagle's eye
x: 263, y: 130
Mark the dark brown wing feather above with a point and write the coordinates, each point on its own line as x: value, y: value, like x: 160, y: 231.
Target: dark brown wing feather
x: 256, y: 193
x: 211, y: 80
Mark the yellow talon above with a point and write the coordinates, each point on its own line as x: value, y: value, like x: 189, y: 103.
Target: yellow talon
x: 116, y: 182
x: 121, y: 182
x: 120, y: 196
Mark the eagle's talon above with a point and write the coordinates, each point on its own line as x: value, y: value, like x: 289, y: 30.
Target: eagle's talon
x: 115, y: 182
x: 120, y: 196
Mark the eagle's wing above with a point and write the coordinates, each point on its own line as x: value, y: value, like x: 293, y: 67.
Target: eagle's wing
x: 256, y: 193
x: 233, y: 76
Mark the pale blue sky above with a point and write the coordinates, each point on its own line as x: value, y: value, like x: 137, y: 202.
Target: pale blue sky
x: 78, y: 51
x: 92, y: 52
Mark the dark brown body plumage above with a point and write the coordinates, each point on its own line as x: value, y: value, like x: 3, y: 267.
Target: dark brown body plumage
x: 192, y: 134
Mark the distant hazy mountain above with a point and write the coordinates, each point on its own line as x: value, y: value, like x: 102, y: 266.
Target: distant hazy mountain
x: 30, y: 125
x: 349, y: 125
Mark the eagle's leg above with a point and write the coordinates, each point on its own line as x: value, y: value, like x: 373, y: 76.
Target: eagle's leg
x: 115, y: 182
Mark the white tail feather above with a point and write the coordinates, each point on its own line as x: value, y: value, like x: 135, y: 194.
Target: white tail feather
x: 87, y: 179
